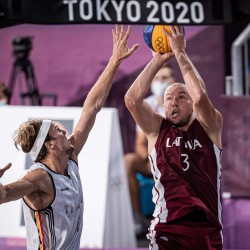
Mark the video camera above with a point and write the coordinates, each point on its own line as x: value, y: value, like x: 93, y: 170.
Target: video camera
x: 22, y: 46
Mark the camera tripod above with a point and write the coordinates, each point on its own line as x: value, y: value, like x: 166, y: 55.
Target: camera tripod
x: 24, y: 65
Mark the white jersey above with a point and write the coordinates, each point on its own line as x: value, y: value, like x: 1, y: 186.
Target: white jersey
x: 59, y: 226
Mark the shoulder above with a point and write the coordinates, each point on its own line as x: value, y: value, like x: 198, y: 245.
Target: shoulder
x: 73, y: 158
x: 36, y: 174
x: 72, y: 164
x: 36, y: 180
x: 37, y: 165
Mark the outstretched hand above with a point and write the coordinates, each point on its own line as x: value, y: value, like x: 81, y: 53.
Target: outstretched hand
x: 176, y: 39
x: 163, y: 57
x: 2, y: 170
x: 120, y: 48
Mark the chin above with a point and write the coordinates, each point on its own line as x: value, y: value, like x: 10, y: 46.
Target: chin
x: 179, y: 123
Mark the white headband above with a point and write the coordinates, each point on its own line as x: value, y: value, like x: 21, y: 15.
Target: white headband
x: 43, y: 131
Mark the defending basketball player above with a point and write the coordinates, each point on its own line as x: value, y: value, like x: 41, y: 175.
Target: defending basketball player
x: 185, y: 155
x: 51, y: 189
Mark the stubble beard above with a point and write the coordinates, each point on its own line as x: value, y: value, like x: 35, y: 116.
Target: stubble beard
x: 181, y: 123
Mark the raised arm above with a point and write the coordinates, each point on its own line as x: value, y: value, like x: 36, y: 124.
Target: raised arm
x: 210, y: 118
x: 99, y: 92
x: 141, y: 111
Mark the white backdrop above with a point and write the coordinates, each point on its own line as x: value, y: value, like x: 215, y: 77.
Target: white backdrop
x: 107, y: 217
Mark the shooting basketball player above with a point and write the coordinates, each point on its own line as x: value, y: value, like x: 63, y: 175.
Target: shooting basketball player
x: 51, y: 189
x: 184, y: 152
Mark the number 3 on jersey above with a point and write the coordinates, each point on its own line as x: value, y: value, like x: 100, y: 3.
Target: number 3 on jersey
x: 185, y: 161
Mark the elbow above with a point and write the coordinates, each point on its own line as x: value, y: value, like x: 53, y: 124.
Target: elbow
x: 129, y: 101
x: 98, y: 106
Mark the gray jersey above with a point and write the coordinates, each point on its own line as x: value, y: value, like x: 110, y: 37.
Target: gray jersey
x: 59, y: 226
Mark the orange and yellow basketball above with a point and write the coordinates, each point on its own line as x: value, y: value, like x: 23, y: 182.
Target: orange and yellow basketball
x: 156, y: 39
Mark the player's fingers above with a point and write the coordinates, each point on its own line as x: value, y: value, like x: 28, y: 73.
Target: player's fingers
x: 113, y: 34
x: 182, y: 30
x: 122, y: 29
x: 116, y: 32
x: 167, y: 33
x: 134, y: 47
x: 173, y: 30
x: 4, y: 169
x: 127, y: 32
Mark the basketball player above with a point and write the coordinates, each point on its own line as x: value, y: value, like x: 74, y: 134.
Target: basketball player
x: 137, y: 162
x: 51, y: 189
x: 185, y: 155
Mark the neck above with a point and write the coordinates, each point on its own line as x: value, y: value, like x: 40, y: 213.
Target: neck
x: 57, y: 165
x: 186, y: 126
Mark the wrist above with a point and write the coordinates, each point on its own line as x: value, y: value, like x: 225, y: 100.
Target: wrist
x: 114, y: 61
x: 179, y: 53
x: 157, y: 60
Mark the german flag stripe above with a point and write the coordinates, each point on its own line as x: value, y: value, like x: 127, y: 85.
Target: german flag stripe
x: 45, y: 225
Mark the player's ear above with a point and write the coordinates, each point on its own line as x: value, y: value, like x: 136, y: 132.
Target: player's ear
x: 49, y: 145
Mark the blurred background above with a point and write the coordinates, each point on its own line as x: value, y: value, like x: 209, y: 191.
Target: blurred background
x: 67, y: 59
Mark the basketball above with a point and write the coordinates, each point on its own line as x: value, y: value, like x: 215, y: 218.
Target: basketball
x: 156, y: 39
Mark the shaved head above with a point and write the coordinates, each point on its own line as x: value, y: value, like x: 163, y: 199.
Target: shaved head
x: 178, y: 104
x: 175, y: 85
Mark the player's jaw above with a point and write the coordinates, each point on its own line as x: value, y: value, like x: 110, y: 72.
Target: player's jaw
x: 178, y: 117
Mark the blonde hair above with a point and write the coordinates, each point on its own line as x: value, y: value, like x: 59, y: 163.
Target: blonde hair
x: 25, y: 136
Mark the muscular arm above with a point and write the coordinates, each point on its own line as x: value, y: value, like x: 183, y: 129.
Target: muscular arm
x: 33, y: 186
x: 141, y: 111
x: 16, y: 190
x: 98, y: 94
x: 210, y: 119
